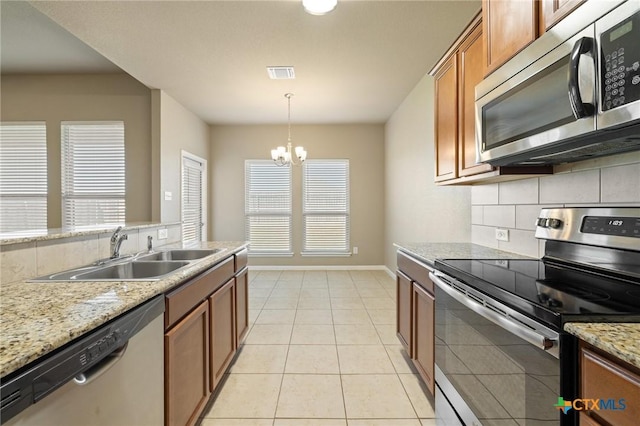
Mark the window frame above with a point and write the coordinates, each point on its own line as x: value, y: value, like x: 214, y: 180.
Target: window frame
x: 203, y: 192
x: 27, y: 188
x: 271, y: 211
x: 71, y: 183
x: 340, y: 210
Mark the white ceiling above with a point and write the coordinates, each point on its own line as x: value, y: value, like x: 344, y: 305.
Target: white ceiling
x: 354, y: 65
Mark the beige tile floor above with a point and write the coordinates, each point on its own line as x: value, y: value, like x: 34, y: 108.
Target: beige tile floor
x: 322, y: 351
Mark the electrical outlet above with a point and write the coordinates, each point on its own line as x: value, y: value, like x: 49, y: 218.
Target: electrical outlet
x: 163, y: 234
x: 502, y: 234
x: 355, y: 250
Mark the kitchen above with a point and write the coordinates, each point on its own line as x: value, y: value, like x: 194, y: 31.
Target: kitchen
x: 385, y: 209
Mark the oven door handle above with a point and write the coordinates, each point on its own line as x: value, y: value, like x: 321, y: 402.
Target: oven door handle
x: 511, y: 325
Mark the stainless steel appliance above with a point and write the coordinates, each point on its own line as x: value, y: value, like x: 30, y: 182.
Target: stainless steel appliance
x: 110, y: 376
x: 571, y: 95
x: 501, y: 353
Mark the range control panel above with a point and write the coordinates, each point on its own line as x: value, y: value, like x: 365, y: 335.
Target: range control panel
x: 611, y: 225
x: 614, y: 227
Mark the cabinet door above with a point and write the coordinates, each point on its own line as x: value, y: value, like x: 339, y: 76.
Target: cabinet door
x: 186, y: 349
x: 223, y: 337
x: 552, y: 11
x: 242, y: 305
x: 615, y: 384
x: 446, y: 131
x: 424, y: 335
x: 508, y: 26
x: 470, y: 74
x: 403, y: 310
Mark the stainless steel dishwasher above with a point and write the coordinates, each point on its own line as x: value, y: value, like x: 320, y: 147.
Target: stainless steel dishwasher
x: 112, y: 375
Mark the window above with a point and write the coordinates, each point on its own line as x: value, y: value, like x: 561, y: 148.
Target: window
x: 268, y: 208
x: 193, y: 172
x: 93, y: 173
x: 325, y: 207
x: 23, y: 176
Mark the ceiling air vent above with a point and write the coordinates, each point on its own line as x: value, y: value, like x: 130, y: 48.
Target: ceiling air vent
x: 281, y: 73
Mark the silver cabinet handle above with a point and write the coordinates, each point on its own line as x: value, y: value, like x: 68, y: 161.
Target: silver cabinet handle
x: 546, y: 343
x: 99, y: 369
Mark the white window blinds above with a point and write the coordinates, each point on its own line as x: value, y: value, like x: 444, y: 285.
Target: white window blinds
x: 93, y: 173
x: 325, y: 207
x: 23, y: 176
x: 268, y: 208
x: 192, y: 220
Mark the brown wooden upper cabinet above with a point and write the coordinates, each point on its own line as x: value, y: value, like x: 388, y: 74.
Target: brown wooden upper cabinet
x: 456, y: 76
x: 508, y: 27
x: 552, y: 11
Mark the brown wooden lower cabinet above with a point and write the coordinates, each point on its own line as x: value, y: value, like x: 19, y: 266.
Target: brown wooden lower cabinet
x: 223, y: 337
x: 242, y: 305
x: 186, y: 349
x: 585, y: 420
x: 206, y: 319
x: 415, y: 315
x: 614, y: 383
x: 403, y: 311
x: 424, y: 335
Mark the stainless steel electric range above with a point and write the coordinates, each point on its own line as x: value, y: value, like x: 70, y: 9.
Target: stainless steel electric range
x: 502, y: 357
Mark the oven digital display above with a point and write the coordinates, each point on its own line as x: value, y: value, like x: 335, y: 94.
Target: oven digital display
x: 607, y: 225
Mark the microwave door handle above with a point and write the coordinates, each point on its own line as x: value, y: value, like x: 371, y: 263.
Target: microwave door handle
x: 580, y: 109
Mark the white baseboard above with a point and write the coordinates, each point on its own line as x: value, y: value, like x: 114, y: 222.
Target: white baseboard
x: 321, y: 268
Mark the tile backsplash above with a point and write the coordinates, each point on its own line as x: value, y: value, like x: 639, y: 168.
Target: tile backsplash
x: 27, y: 260
x: 515, y: 205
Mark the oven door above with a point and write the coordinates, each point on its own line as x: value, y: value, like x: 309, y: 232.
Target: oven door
x: 493, y: 365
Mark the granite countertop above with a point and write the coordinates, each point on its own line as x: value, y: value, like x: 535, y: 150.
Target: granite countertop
x: 619, y: 339
x: 36, y: 318
x: 429, y: 252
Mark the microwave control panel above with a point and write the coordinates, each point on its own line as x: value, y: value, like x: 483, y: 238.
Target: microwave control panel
x: 620, y: 82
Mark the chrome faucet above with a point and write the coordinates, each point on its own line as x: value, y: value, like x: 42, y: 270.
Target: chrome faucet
x: 116, y: 241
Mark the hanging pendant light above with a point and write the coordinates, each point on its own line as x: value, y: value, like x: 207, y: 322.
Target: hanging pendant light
x: 282, y: 156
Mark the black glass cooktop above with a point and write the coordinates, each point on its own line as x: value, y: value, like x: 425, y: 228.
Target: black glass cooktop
x: 550, y: 292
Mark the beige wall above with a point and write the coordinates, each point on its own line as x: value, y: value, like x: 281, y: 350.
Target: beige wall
x: 416, y: 209
x: 174, y: 129
x: 56, y: 98
x: 362, y: 144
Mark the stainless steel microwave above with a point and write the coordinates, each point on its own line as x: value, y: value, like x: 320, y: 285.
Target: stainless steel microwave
x: 573, y: 94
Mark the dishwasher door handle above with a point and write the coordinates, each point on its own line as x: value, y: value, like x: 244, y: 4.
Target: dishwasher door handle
x: 512, y: 325
x: 102, y: 367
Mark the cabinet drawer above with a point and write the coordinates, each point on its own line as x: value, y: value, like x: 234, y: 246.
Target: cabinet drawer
x: 417, y: 271
x: 603, y: 379
x: 241, y: 259
x: 182, y: 300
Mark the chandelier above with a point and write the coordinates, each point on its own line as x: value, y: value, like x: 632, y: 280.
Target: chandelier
x: 282, y: 156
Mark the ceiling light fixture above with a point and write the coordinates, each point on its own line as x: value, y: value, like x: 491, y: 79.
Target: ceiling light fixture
x: 319, y: 7
x: 281, y: 155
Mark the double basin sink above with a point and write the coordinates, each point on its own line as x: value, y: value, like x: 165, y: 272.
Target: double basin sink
x: 145, y: 266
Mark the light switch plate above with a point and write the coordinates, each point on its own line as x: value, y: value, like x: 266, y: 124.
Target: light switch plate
x: 168, y: 196
x: 163, y: 234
